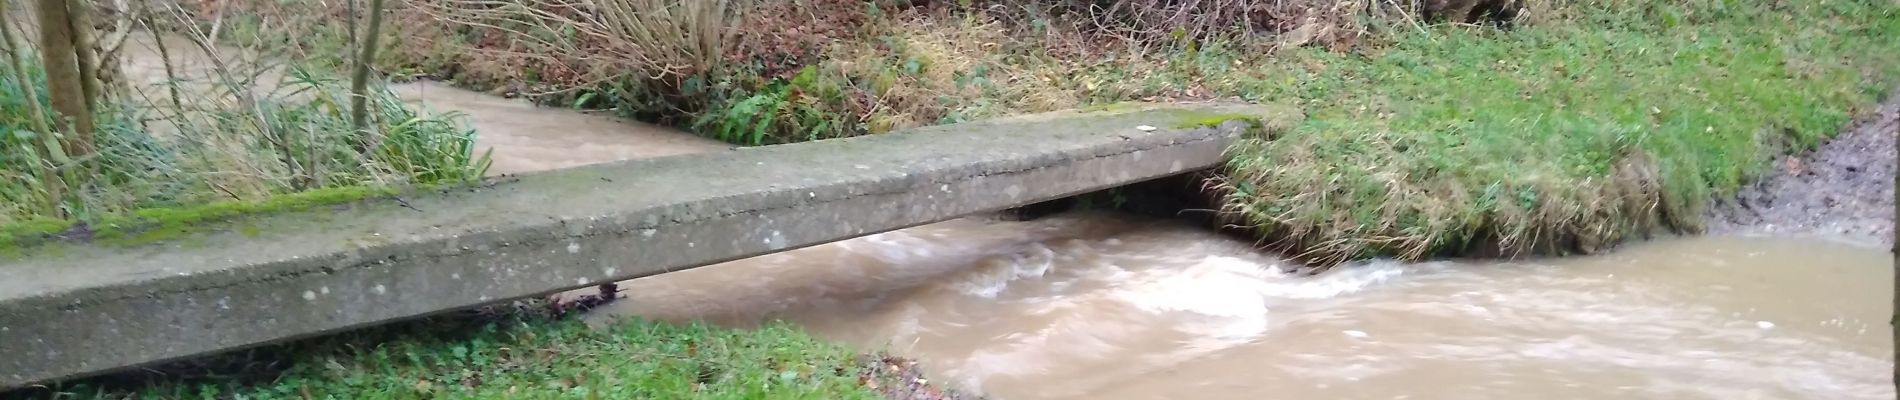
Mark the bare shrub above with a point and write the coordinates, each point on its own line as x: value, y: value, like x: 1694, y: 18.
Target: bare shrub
x: 661, y: 39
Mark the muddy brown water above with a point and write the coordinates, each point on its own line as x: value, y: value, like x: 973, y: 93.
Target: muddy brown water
x: 1105, y: 306
x: 1111, y: 306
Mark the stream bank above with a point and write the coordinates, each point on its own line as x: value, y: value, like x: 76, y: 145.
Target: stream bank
x: 1843, y: 189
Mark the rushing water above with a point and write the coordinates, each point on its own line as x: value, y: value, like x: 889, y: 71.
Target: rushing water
x: 526, y: 138
x: 1108, y: 306
x: 1100, y: 306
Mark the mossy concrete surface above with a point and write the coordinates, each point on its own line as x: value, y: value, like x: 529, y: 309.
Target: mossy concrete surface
x: 79, y: 309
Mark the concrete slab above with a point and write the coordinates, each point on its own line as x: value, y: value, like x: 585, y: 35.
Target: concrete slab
x: 86, y: 309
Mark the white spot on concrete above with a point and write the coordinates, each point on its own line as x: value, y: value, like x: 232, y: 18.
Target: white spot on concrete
x: 455, y: 275
x: 1357, y: 334
x: 380, y: 289
x: 324, y: 290
x: 1013, y: 191
x: 777, y: 241
x: 691, y: 244
x: 945, y: 188
x: 1764, y: 325
x: 573, y: 247
x: 1145, y: 128
x: 648, y: 233
x: 609, y: 272
x: 811, y: 194
x: 861, y: 166
x: 1175, y: 166
x: 580, y: 281
x: 309, y: 295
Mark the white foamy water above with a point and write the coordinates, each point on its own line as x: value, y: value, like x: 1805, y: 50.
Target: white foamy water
x: 1102, y: 306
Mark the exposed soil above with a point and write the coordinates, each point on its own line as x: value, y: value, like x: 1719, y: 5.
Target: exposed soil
x: 900, y: 379
x: 1842, y: 189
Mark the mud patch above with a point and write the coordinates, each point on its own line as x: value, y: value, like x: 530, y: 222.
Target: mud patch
x: 1843, y: 189
x: 899, y: 378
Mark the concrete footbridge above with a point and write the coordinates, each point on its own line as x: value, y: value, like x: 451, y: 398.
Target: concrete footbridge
x: 76, y: 309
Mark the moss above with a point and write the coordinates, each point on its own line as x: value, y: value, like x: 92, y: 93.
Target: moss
x: 1190, y: 119
x: 31, y: 230
x: 150, y: 225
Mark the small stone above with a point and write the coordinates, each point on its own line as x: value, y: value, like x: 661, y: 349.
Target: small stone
x: 1145, y: 128
x: 1764, y: 324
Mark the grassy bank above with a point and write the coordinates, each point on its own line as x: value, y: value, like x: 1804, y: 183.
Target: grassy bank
x: 1599, y: 121
x: 518, y: 356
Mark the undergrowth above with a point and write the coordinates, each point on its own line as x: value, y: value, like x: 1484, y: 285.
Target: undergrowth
x: 219, y: 146
x: 514, y: 356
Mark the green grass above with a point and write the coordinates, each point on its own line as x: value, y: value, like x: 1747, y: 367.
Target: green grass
x: 1605, y: 120
x: 530, y: 358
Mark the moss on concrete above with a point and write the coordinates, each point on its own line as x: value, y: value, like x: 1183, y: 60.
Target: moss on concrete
x: 151, y: 225
x: 1191, y: 119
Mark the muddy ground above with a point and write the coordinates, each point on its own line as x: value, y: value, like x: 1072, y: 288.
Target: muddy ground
x: 1844, y: 189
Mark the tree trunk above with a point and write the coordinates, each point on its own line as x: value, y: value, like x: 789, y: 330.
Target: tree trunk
x: 359, y: 84
x: 59, y: 55
x: 55, y: 156
x: 85, y: 42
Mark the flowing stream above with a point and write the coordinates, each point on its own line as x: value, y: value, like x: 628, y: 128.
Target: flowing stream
x: 1110, y: 306
x: 1104, y: 306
